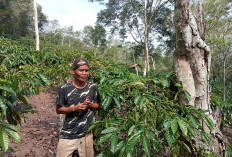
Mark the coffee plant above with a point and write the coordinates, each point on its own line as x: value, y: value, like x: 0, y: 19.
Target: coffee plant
x: 19, y: 75
x: 141, y: 116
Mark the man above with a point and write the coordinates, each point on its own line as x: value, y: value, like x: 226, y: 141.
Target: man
x: 76, y: 100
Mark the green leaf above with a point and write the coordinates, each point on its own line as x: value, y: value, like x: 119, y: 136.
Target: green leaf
x: 7, y: 88
x: 136, y: 100
x: 167, y: 123
x: 101, y: 155
x: 146, y: 145
x: 106, y: 102
x: 113, y: 142
x: 194, y: 121
x: 9, y: 126
x: 183, y: 127
x: 132, y: 141
x: 174, y: 126
x: 169, y: 136
x: 141, y: 104
x: 129, y: 154
x: 176, y: 95
x: 136, y: 83
x: 120, y: 145
x: 108, y: 130
x: 191, y: 131
x: 205, y: 138
x: 103, y: 80
x: 13, y: 134
x: 187, y: 95
x: 109, y: 92
x: 3, y: 105
x: 122, y: 152
x: 229, y: 149
x: 117, y: 102
x: 164, y: 83
x: 45, y: 80
x: 208, y: 122
x: 187, y: 147
x: 131, y: 130
x: 4, y: 140
x: 122, y: 97
x: 22, y: 98
x: 152, y: 135
x: 178, y: 84
x: 104, y: 138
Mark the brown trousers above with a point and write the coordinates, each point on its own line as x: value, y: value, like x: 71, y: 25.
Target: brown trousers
x: 83, y: 145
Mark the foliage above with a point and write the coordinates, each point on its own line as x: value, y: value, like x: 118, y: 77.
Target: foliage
x: 94, y: 36
x: 225, y: 107
x: 17, y: 17
x: 229, y: 149
x: 127, y: 16
x: 18, y: 78
x: 130, y: 20
x: 142, y: 115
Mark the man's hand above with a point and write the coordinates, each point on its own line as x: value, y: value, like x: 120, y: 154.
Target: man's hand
x: 87, y: 102
x: 91, y: 105
x: 80, y: 107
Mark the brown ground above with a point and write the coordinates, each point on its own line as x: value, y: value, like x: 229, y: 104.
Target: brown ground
x: 39, y: 134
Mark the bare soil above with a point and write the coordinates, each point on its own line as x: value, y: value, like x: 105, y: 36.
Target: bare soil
x: 40, y: 132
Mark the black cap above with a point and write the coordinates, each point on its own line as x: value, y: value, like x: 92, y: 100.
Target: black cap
x: 78, y: 62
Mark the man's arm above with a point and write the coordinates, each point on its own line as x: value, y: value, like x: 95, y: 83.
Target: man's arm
x: 94, y: 105
x: 66, y: 110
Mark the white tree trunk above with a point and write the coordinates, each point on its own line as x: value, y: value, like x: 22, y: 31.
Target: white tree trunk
x: 36, y: 26
x: 153, y: 63
x: 224, y: 78
x: 146, y: 35
x: 192, y: 60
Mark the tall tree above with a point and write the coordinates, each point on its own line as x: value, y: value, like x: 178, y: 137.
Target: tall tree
x: 192, y: 59
x: 138, y: 19
x: 86, y: 36
x: 99, y: 36
x: 36, y: 26
x: 94, y: 36
x: 218, y: 15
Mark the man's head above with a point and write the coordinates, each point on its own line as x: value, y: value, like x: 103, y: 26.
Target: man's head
x: 80, y: 69
x: 78, y: 62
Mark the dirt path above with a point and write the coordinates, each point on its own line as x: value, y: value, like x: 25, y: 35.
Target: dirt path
x: 39, y: 133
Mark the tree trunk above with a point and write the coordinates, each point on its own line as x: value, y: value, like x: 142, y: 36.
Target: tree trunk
x: 36, y: 27
x: 153, y: 63
x: 62, y: 40
x: 146, y: 35
x: 192, y: 60
x: 224, y: 77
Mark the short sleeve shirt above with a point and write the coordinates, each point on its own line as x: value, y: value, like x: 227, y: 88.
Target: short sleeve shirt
x: 76, y: 124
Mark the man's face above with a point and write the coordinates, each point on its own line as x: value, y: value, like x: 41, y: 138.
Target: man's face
x: 81, y: 73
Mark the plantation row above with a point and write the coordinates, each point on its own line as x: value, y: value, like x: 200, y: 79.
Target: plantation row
x: 139, y: 115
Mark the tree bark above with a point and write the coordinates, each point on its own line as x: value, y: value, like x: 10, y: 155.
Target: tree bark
x: 153, y: 63
x: 36, y: 26
x: 146, y: 35
x: 192, y: 60
x: 224, y: 77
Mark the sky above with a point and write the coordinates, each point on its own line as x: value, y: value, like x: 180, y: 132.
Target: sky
x: 76, y: 13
